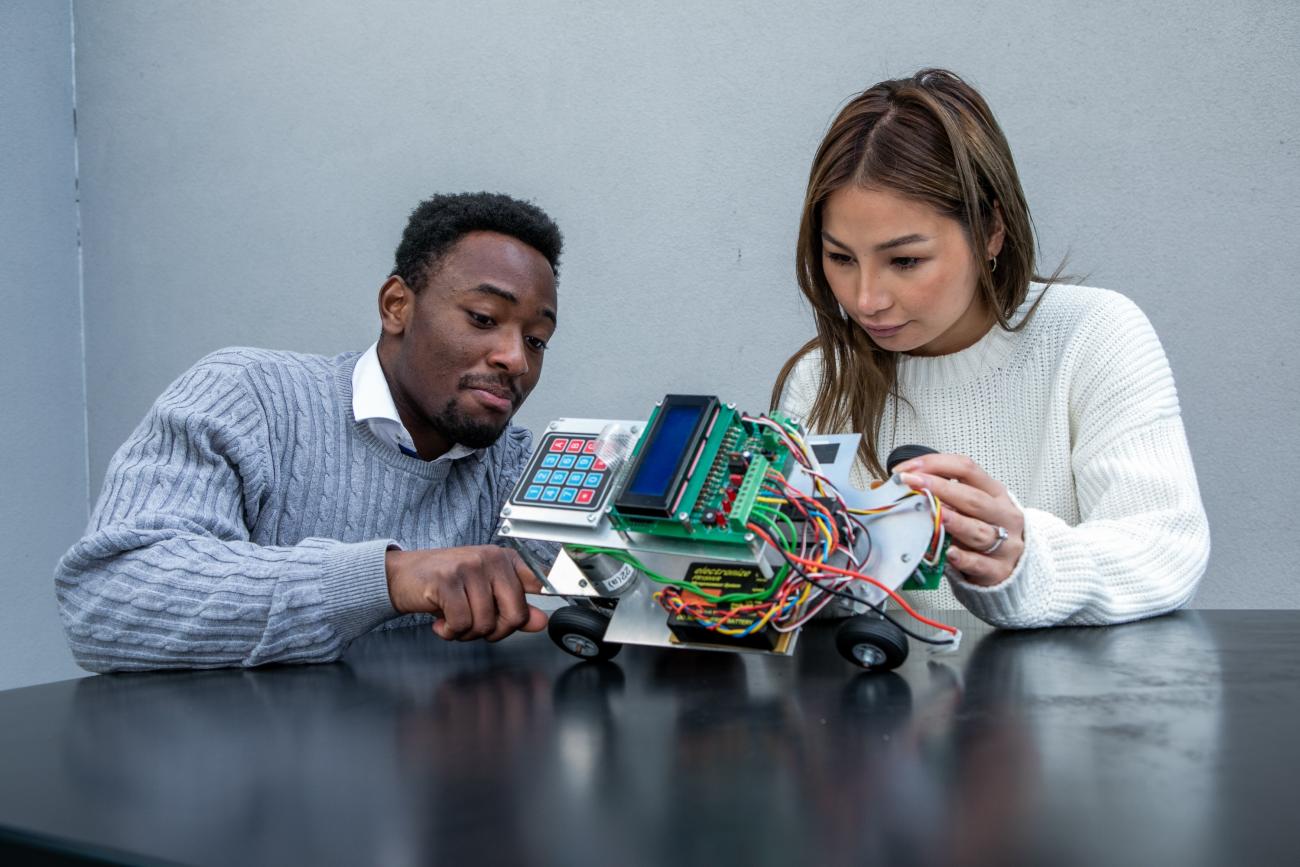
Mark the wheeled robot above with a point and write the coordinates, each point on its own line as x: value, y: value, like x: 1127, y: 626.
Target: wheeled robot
x: 706, y: 528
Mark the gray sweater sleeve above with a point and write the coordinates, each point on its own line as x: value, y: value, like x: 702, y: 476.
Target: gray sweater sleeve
x: 167, y: 577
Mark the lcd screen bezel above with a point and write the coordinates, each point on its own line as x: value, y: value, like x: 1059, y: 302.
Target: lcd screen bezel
x: 661, y: 505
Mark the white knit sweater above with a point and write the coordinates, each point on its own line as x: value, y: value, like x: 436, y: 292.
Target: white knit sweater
x: 1078, y: 416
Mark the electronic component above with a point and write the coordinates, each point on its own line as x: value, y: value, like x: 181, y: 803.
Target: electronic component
x: 692, y: 478
x: 565, y: 472
x: 666, y: 454
x: 695, y: 616
x: 707, y: 527
x: 928, y: 576
x: 741, y: 504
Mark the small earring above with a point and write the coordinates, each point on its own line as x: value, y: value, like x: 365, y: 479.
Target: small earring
x: 993, y: 263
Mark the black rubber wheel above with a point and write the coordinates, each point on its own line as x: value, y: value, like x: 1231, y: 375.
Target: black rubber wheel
x: 871, y: 642
x: 581, y: 632
x: 905, y: 453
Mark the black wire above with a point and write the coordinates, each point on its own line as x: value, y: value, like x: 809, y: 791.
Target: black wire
x: 870, y: 543
x: 879, y: 610
x: 831, y: 590
x: 837, y: 514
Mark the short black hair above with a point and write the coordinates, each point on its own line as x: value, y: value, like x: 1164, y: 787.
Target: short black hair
x: 439, y: 222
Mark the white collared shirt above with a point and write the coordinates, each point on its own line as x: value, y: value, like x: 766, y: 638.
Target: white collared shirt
x: 372, y: 403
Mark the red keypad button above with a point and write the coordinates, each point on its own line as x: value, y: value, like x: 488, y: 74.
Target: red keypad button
x: 590, y: 447
x: 558, y: 445
x: 575, y: 445
x: 598, y: 464
x: 585, y: 495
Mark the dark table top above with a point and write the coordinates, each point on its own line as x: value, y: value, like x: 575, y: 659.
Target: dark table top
x: 1172, y: 741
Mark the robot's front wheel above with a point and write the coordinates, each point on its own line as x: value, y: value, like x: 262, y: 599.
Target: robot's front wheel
x: 581, y: 632
x: 870, y: 641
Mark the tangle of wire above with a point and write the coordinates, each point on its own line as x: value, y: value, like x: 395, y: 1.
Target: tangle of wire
x: 808, y: 582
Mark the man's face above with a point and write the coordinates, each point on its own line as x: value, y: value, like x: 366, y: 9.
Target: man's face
x: 463, y: 354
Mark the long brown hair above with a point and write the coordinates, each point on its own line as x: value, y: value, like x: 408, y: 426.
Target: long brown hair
x: 933, y: 139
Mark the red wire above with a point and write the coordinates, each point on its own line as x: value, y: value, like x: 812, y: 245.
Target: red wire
x: 671, y: 597
x: 793, y: 495
x: 829, y: 568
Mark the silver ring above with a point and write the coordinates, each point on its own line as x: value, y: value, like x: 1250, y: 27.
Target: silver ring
x: 997, y: 543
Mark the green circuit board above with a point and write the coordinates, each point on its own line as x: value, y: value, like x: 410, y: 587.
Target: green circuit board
x: 724, y: 477
x: 928, y: 577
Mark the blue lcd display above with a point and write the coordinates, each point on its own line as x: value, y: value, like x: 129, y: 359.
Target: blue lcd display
x: 664, y: 453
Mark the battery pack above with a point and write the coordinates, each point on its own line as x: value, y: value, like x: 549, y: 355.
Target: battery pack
x: 721, y: 579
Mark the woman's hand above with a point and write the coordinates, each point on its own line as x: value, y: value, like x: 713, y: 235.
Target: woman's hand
x: 975, y: 507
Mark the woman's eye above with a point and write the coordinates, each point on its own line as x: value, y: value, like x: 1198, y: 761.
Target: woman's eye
x: 839, y: 258
x: 906, y: 263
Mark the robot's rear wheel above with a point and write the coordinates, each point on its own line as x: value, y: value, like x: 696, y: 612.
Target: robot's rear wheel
x: 869, y: 641
x: 581, y: 632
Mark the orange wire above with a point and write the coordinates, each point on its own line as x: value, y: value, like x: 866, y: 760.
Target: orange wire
x: 829, y: 568
x: 798, y: 494
x: 709, y: 610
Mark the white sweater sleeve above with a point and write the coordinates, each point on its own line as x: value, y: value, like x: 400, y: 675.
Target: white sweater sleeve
x: 1143, y: 541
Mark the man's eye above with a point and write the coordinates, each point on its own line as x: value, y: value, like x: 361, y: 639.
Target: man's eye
x: 906, y: 263
x: 537, y: 343
x: 479, y: 319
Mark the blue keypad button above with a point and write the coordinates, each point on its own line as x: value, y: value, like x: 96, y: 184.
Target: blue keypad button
x: 584, y: 462
x: 566, y: 462
x: 568, y: 494
x: 559, y: 477
x: 550, y: 460
x: 577, y: 478
x: 593, y: 479
x: 542, y: 477
x: 549, y: 493
x: 534, y: 492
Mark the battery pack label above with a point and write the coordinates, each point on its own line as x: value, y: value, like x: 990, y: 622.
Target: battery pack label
x: 723, y: 578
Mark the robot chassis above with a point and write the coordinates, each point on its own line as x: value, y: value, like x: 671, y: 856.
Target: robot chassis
x: 704, y: 528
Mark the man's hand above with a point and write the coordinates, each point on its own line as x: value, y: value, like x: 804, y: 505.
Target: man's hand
x: 975, y: 507
x: 475, y: 592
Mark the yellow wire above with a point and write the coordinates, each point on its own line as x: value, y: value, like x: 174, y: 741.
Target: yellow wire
x: 767, y: 618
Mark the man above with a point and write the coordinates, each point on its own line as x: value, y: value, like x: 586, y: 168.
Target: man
x: 274, y: 506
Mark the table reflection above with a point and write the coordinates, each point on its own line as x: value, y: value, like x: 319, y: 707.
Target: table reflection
x: 1021, y: 747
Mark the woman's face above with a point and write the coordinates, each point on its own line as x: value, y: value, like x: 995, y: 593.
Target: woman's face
x: 903, y: 271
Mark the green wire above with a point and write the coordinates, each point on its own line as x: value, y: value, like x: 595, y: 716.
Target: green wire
x: 794, y: 531
x: 623, y: 557
x: 778, y: 532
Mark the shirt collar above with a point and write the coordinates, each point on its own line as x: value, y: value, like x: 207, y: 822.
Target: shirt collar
x: 372, y: 403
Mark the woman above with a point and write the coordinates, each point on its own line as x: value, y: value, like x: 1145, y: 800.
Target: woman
x: 1064, y: 470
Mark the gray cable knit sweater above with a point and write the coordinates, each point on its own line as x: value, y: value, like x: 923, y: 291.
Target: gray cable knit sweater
x: 246, y: 520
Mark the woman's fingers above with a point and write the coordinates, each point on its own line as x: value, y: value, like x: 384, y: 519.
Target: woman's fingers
x: 958, y: 467
x: 978, y: 568
x: 969, y: 533
x: 977, y: 511
x: 965, y: 498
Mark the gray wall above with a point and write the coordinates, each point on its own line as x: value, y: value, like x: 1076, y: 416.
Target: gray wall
x: 42, y: 420
x: 246, y: 169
